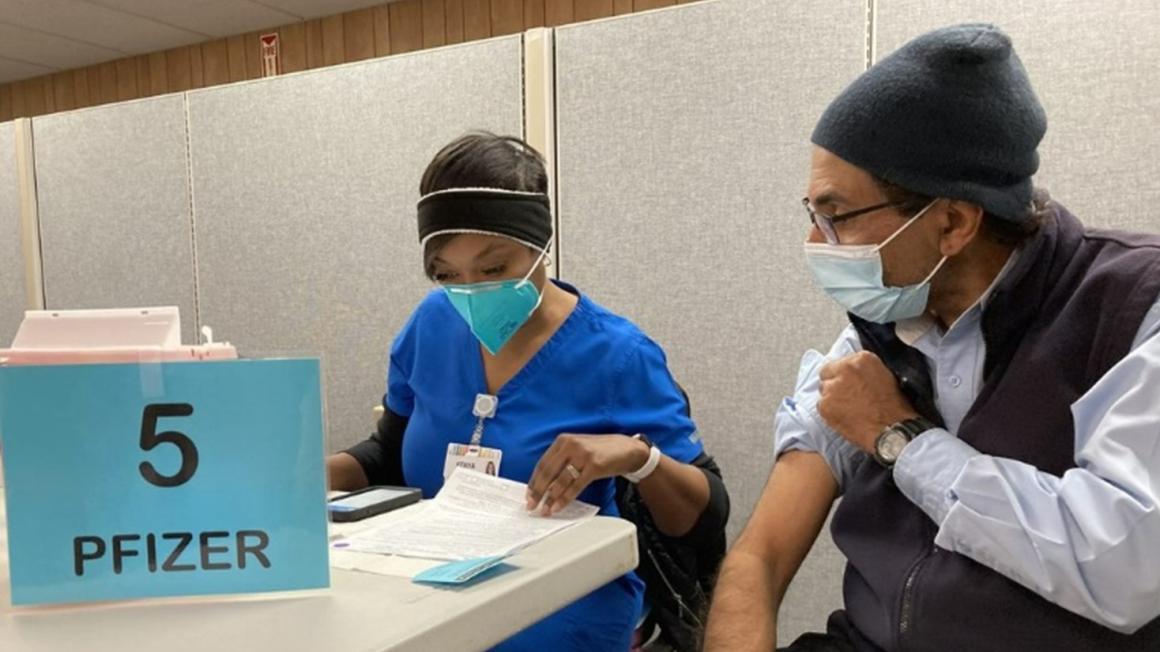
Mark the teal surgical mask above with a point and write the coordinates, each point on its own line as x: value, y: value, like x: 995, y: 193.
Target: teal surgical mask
x: 495, y: 310
x: 852, y: 276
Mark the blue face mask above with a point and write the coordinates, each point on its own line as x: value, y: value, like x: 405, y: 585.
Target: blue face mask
x: 497, y: 309
x: 852, y: 276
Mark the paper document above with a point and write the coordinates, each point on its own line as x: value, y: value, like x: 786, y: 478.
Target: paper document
x: 475, y: 515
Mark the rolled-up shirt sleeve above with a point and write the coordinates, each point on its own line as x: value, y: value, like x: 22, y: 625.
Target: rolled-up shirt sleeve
x: 798, y: 427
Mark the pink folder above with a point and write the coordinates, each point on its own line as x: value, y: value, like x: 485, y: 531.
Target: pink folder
x: 132, y: 335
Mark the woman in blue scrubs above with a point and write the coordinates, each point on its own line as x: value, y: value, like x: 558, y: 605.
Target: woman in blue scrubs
x: 559, y: 392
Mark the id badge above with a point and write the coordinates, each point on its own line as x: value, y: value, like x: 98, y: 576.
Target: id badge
x: 474, y: 458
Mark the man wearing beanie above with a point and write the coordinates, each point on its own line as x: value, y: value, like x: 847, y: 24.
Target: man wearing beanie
x: 990, y: 417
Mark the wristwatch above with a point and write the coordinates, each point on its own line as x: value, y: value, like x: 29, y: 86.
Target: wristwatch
x: 654, y: 459
x: 888, y: 447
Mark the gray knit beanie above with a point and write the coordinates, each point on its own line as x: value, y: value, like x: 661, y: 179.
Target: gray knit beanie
x: 950, y: 114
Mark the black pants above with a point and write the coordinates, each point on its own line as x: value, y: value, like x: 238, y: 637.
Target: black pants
x: 840, y: 636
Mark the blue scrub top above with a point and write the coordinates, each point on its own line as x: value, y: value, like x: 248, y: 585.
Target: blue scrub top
x: 598, y: 374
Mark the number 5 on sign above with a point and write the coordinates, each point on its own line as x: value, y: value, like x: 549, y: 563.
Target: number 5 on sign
x: 149, y: 439
x: 129, y: 481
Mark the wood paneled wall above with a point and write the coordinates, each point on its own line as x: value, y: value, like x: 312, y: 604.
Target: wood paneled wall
x: 400, y: 26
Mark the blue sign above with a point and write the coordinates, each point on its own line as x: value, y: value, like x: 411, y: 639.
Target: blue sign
x: 129, y: 481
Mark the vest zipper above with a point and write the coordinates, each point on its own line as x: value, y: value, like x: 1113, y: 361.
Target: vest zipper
x: 676, y: 596
x: 908, y: 593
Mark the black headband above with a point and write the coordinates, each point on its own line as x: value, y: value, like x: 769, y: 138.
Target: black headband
x: 522, y: 216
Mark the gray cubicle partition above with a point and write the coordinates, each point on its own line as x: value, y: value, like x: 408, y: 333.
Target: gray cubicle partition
x: 113, y: 190
x: 683, y: 145
x: 304, y: 190
x: 12, y: 300
x: 1093, y: 65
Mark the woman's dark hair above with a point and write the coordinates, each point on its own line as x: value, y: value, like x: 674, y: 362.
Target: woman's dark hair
x: 994, y: 228
x: 481, y: 159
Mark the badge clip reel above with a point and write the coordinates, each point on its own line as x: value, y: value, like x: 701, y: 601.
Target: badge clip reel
x: 484, y: 408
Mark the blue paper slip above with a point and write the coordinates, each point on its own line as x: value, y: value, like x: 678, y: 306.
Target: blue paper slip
x: 458, y: 572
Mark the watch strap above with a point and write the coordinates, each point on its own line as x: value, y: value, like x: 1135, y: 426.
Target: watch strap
x: 654, y: 460
x: 915, y: 427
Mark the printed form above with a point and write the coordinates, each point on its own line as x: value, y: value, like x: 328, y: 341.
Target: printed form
x: 474, y: 515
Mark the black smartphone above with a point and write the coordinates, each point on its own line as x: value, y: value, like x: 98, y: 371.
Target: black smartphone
x: 370, y: 502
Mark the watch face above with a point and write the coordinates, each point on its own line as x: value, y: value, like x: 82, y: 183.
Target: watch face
x: 890, y: 445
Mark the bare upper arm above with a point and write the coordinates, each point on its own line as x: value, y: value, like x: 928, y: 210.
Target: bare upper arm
x: 790, y: 513
x: 344, y: 473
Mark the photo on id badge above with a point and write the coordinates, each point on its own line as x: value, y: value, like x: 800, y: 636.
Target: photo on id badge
x: 474, y: 458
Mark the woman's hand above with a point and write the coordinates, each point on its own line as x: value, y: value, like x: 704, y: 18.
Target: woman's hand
x: 575, y: 461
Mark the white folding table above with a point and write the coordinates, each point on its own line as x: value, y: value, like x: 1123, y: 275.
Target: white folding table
x: 360, y: 612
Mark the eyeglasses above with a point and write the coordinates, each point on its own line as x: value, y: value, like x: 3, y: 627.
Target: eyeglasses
x: 826, y: 223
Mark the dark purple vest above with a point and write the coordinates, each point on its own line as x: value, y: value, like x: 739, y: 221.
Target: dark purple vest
x: 1058, y: 321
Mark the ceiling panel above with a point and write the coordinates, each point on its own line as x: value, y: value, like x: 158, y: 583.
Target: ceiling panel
x: 96, y: 25
x: 214, y: 17
x: 47, y: 50
x: 12, y: 70
x: 316, y: 8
